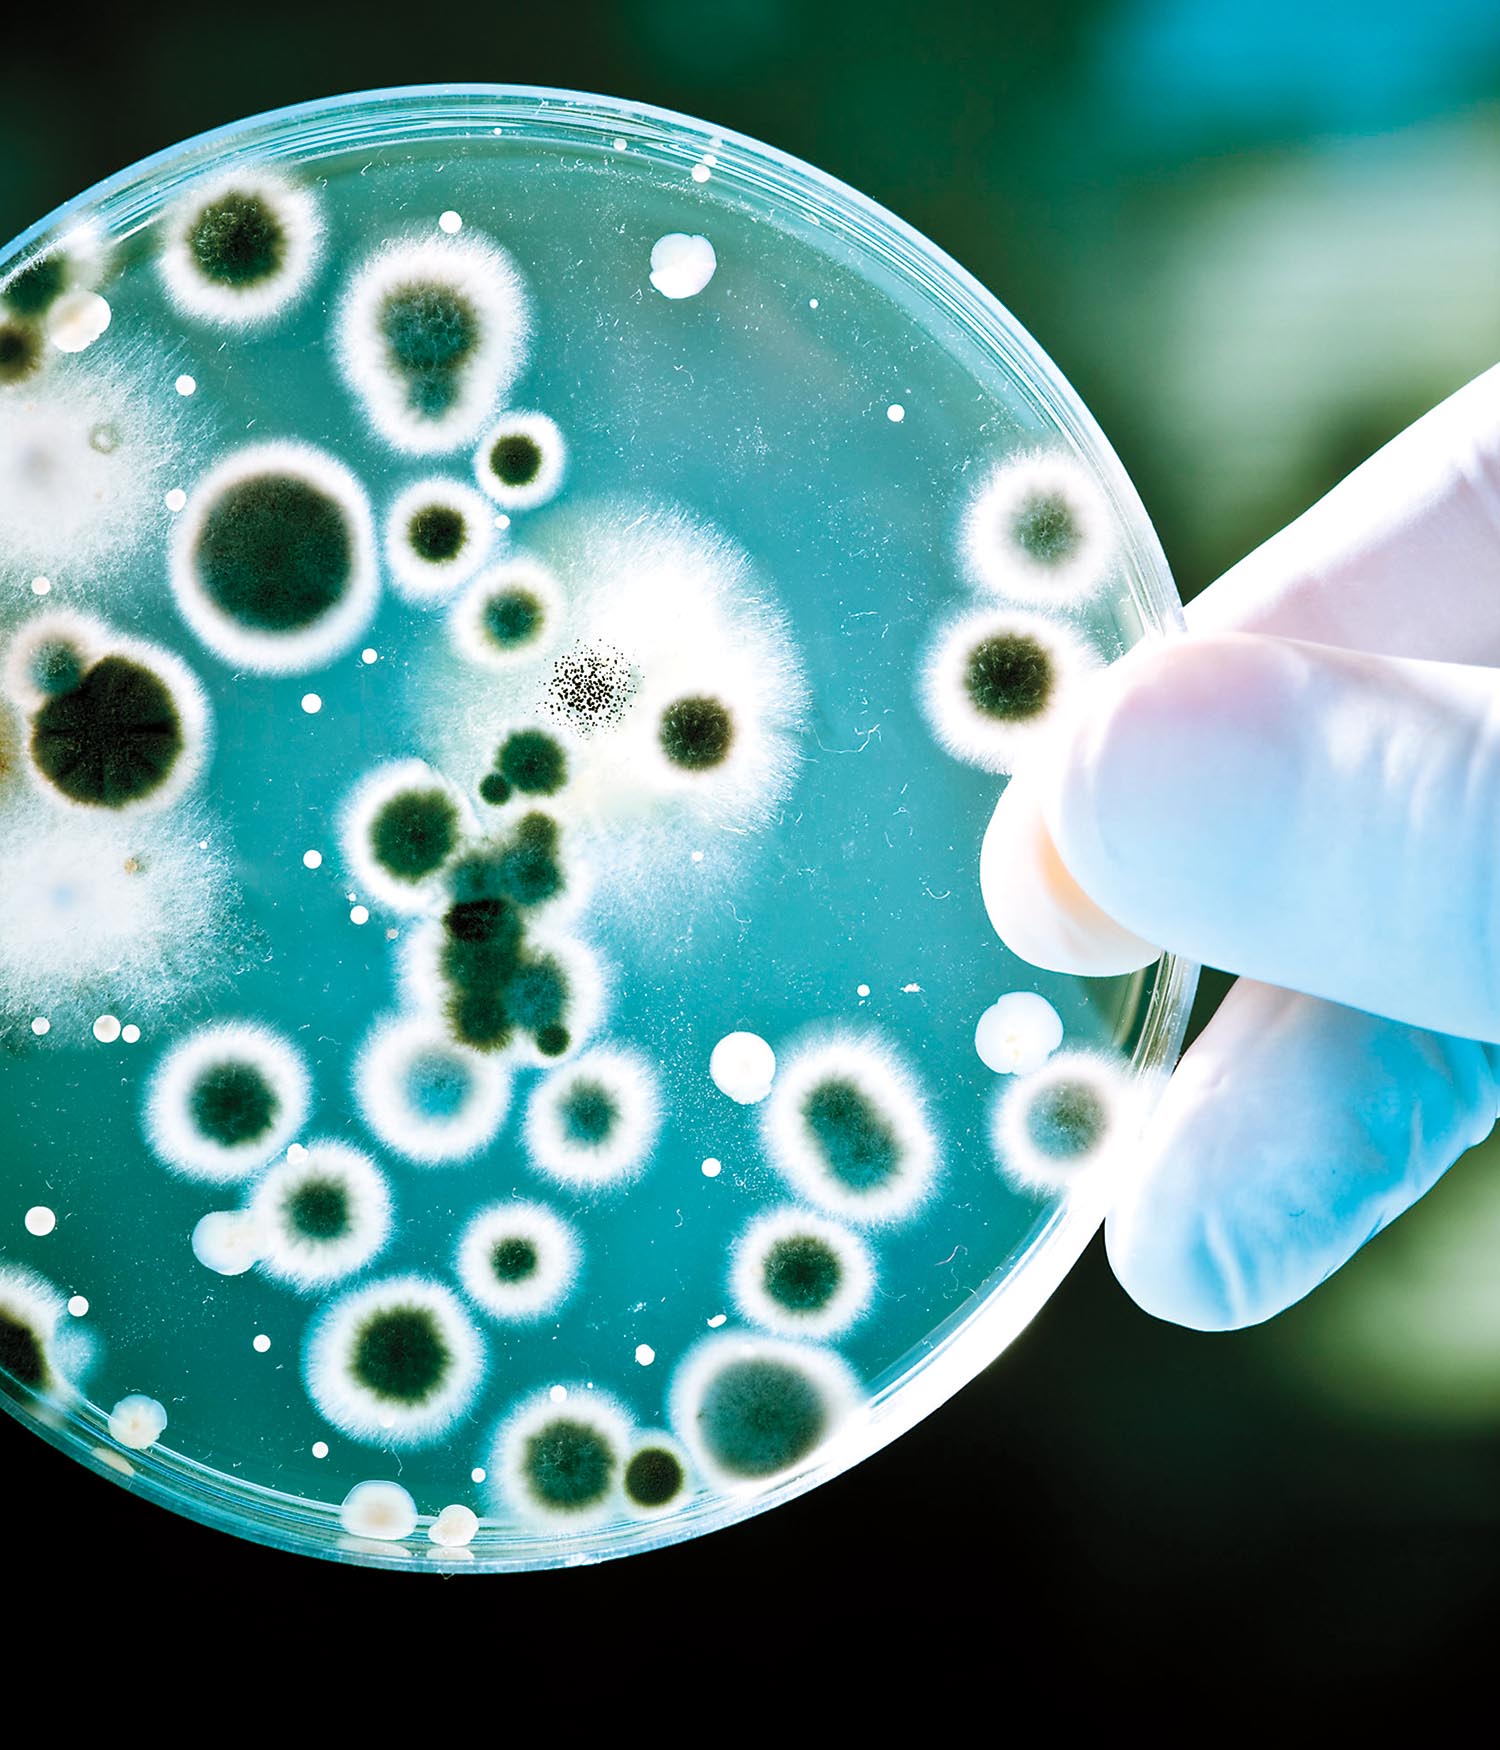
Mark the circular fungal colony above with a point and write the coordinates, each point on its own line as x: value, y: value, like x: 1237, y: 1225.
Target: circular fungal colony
x: 504, y: 1057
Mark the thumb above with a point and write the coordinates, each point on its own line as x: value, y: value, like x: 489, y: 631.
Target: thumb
x: 1316, y: 818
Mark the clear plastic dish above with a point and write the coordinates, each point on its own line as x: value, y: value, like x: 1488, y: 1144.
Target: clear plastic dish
x: 515, y: 611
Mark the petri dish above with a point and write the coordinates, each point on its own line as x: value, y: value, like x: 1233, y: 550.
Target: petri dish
x: 516, y: 608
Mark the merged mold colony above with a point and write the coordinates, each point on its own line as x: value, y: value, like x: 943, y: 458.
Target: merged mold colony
x: 510, y: 635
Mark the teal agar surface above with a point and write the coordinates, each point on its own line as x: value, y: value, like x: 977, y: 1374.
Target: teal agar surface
x: 491, y: 865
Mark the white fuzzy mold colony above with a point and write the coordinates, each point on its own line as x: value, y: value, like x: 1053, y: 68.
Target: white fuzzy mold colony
x: 430, y: 333
x: 521, y: 460
x: 321, y: 1215
x: 995, y: 682
x: 593, y: 1123
x: 518, y: 1261
x: 101, y: 913
x: 798, y: 1274
x: 395, y: 1363
x: 89, y: 447
x: 648, y: 642
x: 1059, y: 1126
x: 400, y: 829
x: 224, y: 1100
x: 38, y: 1349
x: 1040, y: 530
x: 425, y: 1096
x: 239, y: 250
x: 847, y: 1126
x: 437, y: 534
x: 753, y: 1409
x: 273, y: 559
x: 559, y: 1457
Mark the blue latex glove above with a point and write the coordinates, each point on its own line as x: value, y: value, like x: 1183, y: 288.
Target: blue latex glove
x: 1305, y: 791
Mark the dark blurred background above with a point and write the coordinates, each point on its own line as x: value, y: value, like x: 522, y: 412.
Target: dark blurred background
x: 1259, y: 240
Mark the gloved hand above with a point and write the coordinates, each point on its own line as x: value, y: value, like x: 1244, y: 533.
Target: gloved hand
x: 1305, y: 791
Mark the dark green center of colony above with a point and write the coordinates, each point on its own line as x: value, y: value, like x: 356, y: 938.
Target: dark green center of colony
x: 275, y: 552
x: 760, y: 1415
x: 588, y: 1114
x: 514, y: 1259
x: 1009, y: 677
x: 859, y: 1148
x: 437, y: 1085
x: 494, y: 789
x: 653, y: 1477
x: 553, y: 1040
x: 437, y: 533
x: 415, y: 833
x: 802, y: 1273
x: 233, y: 1103
x: 696, y: 734
x: 111, y: 739
x: 37, y: 286
x: 21, y: 1352
x: 56, y: 667
x: 538, y: 995
x: 533, y: 761
x: 430, y: 330
x: 20, y: 351
x: 400, y: 1354
x: 530, y: 871
x: 569, y: 1465
x: 513, y: 617
x: 515, y: 459
x: 319, y: 1209
x: 1046, y: 529
x: 237, y: 241
x: 1066, y: 1120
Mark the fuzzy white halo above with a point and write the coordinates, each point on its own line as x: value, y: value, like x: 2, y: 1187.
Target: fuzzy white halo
x: 887, y: 1092
x: 483, y: 277
x: 294, y: 210
x: 998, y: 744
x: 350, y: 1403
x: 822, y: 1371
x: 528, y: 1422
x: 753, y: 1252
x: 551, y: 1280
x: 170, y: 1126
x: 520, y: 575
x: 428, y: 582
x: 997, y: 556
x: 357, y: 820
x: 305, y: 1261
x: 628, y: 1083
x: 552, y: 461
x: 476, y: 1090
x: 336, y: 628
x: 1024, y: 1159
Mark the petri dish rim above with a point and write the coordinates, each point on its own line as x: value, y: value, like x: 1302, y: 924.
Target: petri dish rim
x: 971, y: 1337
